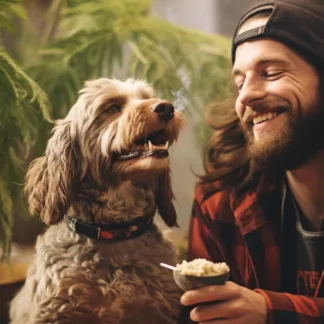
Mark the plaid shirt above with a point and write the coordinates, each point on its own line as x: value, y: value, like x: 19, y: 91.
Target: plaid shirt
x: 246, y: 234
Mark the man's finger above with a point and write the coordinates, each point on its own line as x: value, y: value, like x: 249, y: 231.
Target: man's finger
x: 210, y: 293
x: 223, y: 321
x: 217, y: 310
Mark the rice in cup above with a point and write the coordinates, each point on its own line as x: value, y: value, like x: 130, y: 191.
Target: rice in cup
x: 202, y: 268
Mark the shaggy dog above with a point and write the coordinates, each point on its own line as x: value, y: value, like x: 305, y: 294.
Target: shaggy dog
x: 104, y: 175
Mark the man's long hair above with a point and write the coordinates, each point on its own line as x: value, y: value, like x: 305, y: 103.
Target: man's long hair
x: 226, y: 161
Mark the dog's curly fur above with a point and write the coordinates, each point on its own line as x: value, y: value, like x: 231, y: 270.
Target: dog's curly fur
x: 74, y: 279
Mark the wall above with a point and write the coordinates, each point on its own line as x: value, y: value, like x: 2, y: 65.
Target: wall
x: 228, y: 12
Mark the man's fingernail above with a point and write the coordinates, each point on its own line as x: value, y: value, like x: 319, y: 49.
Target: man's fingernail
x: 183, y: 299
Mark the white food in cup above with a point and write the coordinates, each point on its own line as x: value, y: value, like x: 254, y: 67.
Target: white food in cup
x: 202, y: 268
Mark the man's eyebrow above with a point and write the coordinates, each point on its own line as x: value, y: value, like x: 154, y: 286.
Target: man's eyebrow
x: 265, y: 61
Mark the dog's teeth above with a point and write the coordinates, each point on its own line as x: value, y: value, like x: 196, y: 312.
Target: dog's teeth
x: 153, y: 147
x: 165, y: 146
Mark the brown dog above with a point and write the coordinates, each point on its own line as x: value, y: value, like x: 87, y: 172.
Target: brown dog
x: 104, y: 174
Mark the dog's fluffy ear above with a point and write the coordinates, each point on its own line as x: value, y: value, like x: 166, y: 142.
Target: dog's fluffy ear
x: 164, y: 197
x: 50, y: 179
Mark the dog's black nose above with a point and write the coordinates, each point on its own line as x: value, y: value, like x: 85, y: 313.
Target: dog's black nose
x: 165, y: 111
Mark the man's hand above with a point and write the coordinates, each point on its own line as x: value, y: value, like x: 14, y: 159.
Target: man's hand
x: 229, y: 303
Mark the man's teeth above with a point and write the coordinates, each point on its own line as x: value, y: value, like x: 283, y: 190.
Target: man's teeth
x: 263, y: 117
x: 152, y: 147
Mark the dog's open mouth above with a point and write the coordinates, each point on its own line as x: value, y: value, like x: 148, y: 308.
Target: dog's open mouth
x: 155, y: 144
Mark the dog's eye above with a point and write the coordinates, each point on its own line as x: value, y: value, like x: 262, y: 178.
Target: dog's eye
x: 114, y: 108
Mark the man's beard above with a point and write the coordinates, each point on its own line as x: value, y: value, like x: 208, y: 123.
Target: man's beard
x: 299, y: 140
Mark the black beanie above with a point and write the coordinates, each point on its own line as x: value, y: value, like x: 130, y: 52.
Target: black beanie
x: 299, y: 24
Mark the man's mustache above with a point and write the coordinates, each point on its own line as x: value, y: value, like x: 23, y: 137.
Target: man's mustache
x: 268, y: 106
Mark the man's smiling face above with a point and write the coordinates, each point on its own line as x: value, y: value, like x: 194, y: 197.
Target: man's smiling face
x: 279, y: 102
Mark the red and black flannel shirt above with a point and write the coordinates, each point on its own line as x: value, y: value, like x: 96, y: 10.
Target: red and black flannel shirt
x: 246, y: 234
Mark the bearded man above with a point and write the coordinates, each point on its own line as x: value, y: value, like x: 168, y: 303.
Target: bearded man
x: 260, y: 205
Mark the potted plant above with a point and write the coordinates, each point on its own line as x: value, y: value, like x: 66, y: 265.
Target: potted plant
x: 23, y: 105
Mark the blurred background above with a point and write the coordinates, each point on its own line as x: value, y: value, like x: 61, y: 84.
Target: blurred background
x: 48, y: 48
x: 213, y: 17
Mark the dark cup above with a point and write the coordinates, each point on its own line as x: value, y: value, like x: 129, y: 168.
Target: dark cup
x: 186, y: 282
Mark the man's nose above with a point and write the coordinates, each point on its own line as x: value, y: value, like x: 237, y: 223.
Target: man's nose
x: 252, y: 90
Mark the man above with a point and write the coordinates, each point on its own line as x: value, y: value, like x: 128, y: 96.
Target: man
x: 260, y: 207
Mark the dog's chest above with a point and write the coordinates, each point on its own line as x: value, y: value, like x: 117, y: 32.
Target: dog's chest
x: 124, y: 276
x: 144, y: 288
x: 141, y: 255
